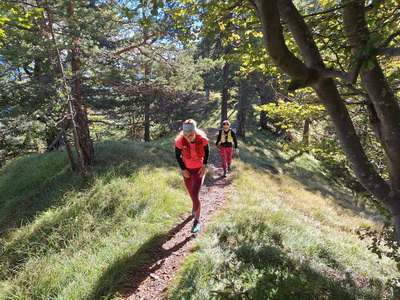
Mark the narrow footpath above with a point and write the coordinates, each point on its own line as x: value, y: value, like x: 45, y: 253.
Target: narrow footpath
x: 150, y: 281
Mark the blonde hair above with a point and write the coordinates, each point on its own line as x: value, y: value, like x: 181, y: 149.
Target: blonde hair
x: 198, y: 131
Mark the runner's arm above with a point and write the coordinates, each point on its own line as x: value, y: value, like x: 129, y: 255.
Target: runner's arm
x: 206, y: 154
x: 234, y: 139
x: 178, y: 155
x: 218, y: 138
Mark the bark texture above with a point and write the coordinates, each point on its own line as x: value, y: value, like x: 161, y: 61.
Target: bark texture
x: 311, y: 71
x: 77, y: 108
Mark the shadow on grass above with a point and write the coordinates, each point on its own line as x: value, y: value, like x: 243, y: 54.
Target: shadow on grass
x: 281, y: 277
x: 259, y: 267
x: 313, y: 176
x: 125, y: 276
x: 33, y: 184
x: 41, y: 239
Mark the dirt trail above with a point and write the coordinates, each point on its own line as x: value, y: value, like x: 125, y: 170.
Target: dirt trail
x: 150, y: 281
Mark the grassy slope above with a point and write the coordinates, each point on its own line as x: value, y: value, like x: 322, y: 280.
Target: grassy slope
x: 286, y: 235
x: 78, y: 242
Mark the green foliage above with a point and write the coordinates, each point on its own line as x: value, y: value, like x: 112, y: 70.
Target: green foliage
x: 19, y: 137
x: 300, y: 107
x: 235, y: 30
x: 148, y: 69
x: 21, y: 15
x: 293, y: 114
x: 2, y: 21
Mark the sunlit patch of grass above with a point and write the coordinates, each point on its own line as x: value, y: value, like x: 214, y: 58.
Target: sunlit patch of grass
x: 283, y: 241
x: 65, y: 250
x: 285, y: 234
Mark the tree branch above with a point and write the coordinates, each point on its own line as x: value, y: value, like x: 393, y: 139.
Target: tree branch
x: 156, y: 60
x: 145, y: 89
x: 383, y: 48
x: 131, y: 47
x: 113, y: 124
x: 339, y: 7
x: 388, y: 51
x: 276, y: 47
x: 389, y: 39
x: 346, y: 77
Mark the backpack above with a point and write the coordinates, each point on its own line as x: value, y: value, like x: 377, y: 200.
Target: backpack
x: 226, y: 137
x: 199, y: 147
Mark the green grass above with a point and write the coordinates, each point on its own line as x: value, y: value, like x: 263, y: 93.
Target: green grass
x: 85, y: 236
x: 286, y: 233
x: 285, y: 236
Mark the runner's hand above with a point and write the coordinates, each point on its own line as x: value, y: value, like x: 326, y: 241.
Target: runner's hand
x: 203, y: 170
x: 185, y: 173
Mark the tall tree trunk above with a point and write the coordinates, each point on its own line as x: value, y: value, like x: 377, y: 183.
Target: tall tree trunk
x: 225, y: 91
x: 306, y: 133
x: 384, y: 104
x: 240, y: 120
x: 266, y: 96
x: 76, y: 103
x: 242, y: 109
x: 80, y: 124
x: 207, y: 101
x: 83, y: 142
x: 310, y: 73
x: 225, y: 77
x: 384, y: 107
x: 147, y: 120
x: 147, y: 103
x: 263, y: 113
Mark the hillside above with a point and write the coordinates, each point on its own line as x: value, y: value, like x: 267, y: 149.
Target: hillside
x: 285, y: 231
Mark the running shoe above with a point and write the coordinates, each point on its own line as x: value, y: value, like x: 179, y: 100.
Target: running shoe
x: 196, y: 226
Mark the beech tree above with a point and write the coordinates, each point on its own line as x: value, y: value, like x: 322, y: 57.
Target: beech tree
x: 344, y: 51
x: 308, y: 69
